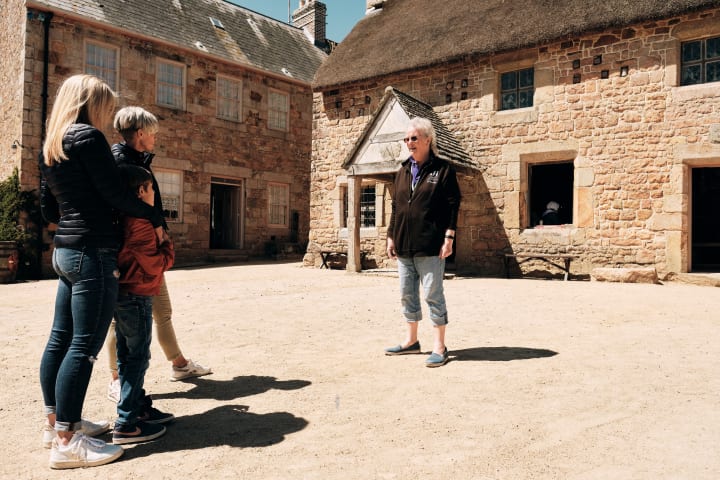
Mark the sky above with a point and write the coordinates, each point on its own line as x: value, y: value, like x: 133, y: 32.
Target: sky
x: 342, y: 15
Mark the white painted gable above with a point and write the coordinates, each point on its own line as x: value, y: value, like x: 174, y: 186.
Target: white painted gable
x: 382, y: 149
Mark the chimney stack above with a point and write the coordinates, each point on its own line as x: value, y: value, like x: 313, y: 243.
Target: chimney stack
x: 311, y: 16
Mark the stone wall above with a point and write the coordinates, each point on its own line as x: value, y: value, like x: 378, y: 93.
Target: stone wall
x: 12, y: 16
x: 193, y: 141
x: 610, y: 102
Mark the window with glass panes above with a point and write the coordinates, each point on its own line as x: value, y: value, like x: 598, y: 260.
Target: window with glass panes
x: 101, y: 61
x: 700, y: 61
x: 170, y: 185
x: 278, y: 104
x: 517, y: 89
x: 229, y: 98
x: 170, y: 85
x: 367, y: 206
x: 279, y: 200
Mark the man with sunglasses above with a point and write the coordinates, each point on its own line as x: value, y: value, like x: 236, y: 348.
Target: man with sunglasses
x: 421, y: 233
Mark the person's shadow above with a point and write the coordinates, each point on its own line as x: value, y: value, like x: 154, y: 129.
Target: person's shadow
x: 241, y: 386
x: 499, y: 354
x: 230, y: 425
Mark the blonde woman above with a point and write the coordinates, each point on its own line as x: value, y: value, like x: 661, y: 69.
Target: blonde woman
x: 81, y: 189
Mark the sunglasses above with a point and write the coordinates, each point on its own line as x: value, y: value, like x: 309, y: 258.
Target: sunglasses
x: 411, y: 139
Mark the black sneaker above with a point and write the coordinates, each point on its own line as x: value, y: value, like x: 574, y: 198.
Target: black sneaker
x: 140, y: 432
x: 155, y: 416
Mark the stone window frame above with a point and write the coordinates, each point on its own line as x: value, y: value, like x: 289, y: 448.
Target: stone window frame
x: 222, y: 100
x: 93, y: 69
x: 363, y: 217
x: 519, y: 158
x: 159, y: 83
x: 160, y: 176
x: 518, y: 88
x: 273, y: 202
x: 340, y: 194
x: 275, y: 114
x: 543, y: 81
x: 683, y: 32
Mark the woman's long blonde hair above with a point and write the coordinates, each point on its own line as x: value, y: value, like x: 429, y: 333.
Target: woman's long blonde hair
x: 80, y: 99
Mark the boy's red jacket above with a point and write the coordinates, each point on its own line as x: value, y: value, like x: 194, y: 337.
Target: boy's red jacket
x: 142, y: 261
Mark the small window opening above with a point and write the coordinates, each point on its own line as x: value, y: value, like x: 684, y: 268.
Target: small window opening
x: 367, y: 206
x: 517, y: 89
x: 700, y: 61
x: 551, y: 183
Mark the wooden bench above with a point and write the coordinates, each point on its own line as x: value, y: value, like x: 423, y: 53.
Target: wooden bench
x: 551, y: 258
x: 326, y: 254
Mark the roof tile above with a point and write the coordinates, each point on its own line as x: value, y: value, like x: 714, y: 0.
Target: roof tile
x: 248, y: 37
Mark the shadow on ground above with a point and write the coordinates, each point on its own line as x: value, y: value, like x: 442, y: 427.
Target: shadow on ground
x: 242, y: 386
x: 231, y: 425
x: 500, y: 354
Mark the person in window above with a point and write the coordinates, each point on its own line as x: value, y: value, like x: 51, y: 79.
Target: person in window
x: 81, y: 192
x: 421, y: 232
x: 551, y: 216
x: 139, y: 128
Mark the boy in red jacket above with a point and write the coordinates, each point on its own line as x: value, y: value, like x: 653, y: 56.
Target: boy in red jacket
x: 142, y: 261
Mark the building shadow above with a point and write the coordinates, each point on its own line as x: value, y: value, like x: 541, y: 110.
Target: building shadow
x: 230, y: 425
x: 238, y: 387
x: 499, y: 354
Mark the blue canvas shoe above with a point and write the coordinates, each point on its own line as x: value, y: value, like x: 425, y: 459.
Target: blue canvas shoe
x: 399, y: 350
x: 437, y: 360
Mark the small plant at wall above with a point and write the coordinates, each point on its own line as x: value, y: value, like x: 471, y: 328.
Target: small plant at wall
x: 14, y: 204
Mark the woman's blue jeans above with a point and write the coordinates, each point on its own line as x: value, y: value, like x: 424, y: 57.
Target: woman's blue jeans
x: 133, y: 332
x: 428, y: 271
x: 84, y: 305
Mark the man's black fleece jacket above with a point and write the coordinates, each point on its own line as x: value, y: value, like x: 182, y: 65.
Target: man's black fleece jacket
x: 421, y: 216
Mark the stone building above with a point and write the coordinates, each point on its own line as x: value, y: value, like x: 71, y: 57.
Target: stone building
x: 610, y: 109
x: 232, y: 90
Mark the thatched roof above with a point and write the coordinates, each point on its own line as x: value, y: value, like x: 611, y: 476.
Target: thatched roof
x: 245, y: 37
x: 408, y: 34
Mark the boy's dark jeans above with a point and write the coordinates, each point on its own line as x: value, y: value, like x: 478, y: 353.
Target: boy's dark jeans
x: 133, y: 329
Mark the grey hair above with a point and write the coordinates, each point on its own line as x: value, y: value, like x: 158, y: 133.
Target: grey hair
x: 424, y: 126
x: 129, y: 120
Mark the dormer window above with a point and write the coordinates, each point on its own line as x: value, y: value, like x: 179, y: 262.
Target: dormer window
x: 217, y: 23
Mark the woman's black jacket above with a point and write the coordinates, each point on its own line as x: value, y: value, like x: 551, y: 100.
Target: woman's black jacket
x: 420, y: 218
x: 81, y: 193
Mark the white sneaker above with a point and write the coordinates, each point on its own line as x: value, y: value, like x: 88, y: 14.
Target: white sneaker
x: 83, y: 451
x: 113, y: 393
x: 92, y: 429
x: 190, y: 370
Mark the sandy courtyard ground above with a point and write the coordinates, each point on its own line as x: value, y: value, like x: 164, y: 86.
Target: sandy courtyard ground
x: 548, y: 380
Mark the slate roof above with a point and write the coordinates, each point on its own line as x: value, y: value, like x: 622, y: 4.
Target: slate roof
x: 448, y: 146
x: 409, y: 34
x: 248, y: 38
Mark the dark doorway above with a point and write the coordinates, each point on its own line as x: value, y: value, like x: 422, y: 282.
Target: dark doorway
x: 705, y: 219
x: 551, y: 182
x: 226, y: 214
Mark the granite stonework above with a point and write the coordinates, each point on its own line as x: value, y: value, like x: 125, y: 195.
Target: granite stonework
x: 633, y: 139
